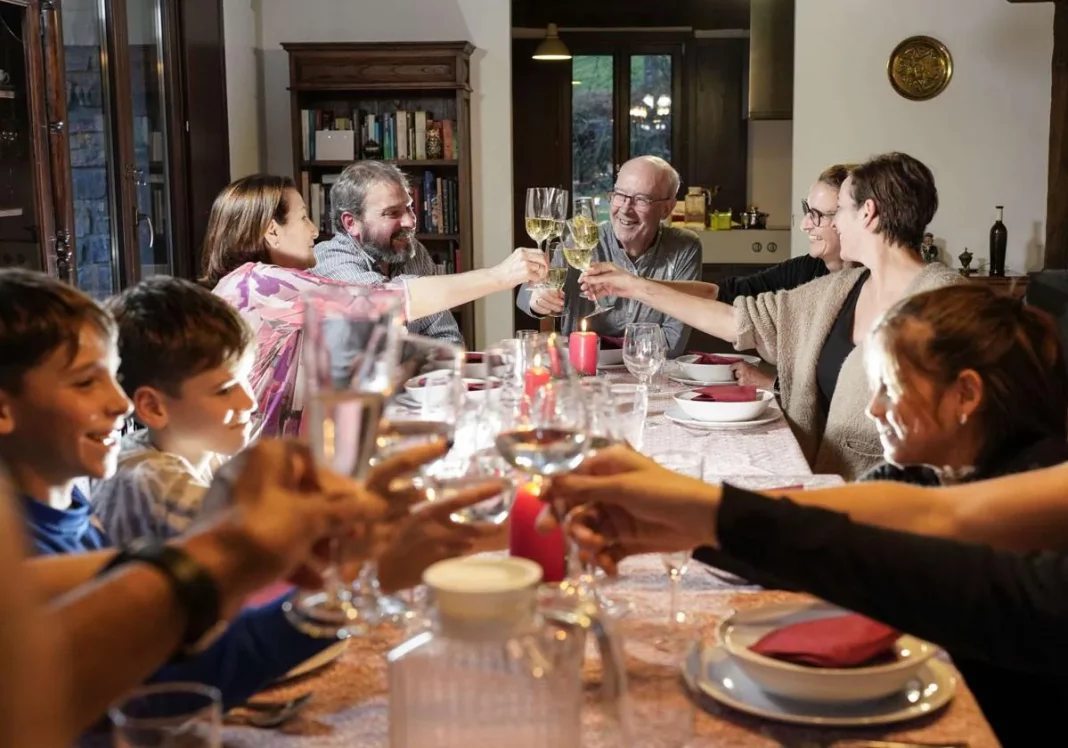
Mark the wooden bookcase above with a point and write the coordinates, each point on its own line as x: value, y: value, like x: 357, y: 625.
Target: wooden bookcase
x: 342, y: 84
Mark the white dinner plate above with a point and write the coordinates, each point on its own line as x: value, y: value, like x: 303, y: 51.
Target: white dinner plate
x: 698, y: 383
x: 407, y: 401
x: 315, y: 662
x: 711, y: 670
x: 612, y: 367
x: 674, y: 413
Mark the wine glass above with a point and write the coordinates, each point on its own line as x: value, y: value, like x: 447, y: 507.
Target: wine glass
x: 545, y: 212
x: 691, y: 464
x: 351, y: 345
x: 644, y: 350
x: 581, y: 235
x: 543, y: 420
x: 558, y: 268
x: 355, y: 355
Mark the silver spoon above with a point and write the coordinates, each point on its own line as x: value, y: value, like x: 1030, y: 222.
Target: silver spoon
x: 271, y: 714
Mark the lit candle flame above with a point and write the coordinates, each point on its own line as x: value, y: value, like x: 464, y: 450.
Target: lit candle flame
x: 582, y: 324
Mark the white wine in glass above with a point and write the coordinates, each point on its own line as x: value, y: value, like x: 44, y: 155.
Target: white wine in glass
x: 539, y: 229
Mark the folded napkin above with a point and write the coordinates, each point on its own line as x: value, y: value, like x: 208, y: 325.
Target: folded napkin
x: 479, y: 386
x: 474, y: 358
x: 712, y: 359
x: 609, y: 343
x: 845, y: 641
x: 727, y: 393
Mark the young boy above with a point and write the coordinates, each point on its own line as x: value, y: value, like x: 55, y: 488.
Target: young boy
x: 60, y: 414
x: 185, y: 356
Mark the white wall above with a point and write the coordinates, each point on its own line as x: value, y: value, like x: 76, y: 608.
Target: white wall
x: 986, y: 137
x: 484, y: 23
x: 241, y: 25
x: 768, y: 168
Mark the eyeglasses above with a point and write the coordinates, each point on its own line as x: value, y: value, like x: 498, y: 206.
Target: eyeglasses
x: 641, y: 202
x: 817, y: 216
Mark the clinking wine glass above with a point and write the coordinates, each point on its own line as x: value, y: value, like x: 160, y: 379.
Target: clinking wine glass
x: 558, y: 267
x: 356, y: 354
x: 581, y: 235
x: 546, y: 210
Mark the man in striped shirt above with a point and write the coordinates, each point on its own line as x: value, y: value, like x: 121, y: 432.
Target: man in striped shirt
x: 374, y: 238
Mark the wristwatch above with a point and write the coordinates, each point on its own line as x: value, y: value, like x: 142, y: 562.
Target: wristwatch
x: 194, y: 587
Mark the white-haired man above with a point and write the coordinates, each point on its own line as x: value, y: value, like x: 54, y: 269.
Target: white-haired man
x: 636, y: 240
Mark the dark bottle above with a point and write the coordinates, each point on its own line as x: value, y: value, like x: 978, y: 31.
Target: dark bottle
x: 999, y: 239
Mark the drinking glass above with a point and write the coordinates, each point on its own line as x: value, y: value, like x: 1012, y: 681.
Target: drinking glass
x: 558, y: 268
x: 581, y: 235
x: 543, y: 428
x: 545, y: 212
x: 168, y: 715
x: 356, y: 355
x: 644, y: 350
x: 691, y: 464
x: 631, y: 402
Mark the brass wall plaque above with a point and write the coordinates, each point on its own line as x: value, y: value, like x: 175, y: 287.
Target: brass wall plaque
x: 920, y: 68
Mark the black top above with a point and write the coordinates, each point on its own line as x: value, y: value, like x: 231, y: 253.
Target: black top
x: 837, y: 346
x: 797, y: 271
x: 1003, y: 617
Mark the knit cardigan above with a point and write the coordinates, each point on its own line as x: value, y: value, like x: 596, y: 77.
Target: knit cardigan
x: 788, y: 329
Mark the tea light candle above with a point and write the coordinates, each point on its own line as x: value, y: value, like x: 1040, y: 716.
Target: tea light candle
x: 525, y: 541
x: 583, y: 347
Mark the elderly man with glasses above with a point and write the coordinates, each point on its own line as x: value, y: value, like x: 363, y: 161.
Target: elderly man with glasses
x: 636, y: 241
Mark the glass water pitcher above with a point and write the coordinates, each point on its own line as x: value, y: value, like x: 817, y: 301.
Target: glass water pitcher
x: 488, y: 669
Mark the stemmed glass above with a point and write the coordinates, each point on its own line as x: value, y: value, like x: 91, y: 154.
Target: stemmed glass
x: 644, y: 350
x: 691, y: 464
x: 544, y: 420
x: 581, y: 235
x: 355, y: 355
x: 557, y: 270
x: 545, y: 213
x: 169, y: 714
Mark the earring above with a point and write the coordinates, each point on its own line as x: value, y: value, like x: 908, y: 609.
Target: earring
x: 963, y: 418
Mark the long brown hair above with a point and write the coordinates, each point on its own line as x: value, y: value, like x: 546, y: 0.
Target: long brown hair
x: 240, y: 217
x: 1014, y: 348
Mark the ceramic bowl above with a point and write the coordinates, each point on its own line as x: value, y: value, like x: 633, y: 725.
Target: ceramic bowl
x: 417, y: 387
x: 815, y: 684
x: 711, y: 373
x: 724, y: 412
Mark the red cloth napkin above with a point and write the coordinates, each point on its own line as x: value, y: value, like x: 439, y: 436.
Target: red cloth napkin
x: 844, y: 641
x: 479, y: 386
x: 608, y: 342
x: 727, y: 393
x: 712, y: 359
x: 474, y: 358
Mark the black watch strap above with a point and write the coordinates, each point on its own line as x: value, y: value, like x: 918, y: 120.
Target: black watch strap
x: 193, y: 586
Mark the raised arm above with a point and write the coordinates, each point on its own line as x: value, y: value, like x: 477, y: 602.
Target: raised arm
x: 436, y: 293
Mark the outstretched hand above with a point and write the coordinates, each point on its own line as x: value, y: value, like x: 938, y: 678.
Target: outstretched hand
x: 620, y: 503
x: 605, y: 279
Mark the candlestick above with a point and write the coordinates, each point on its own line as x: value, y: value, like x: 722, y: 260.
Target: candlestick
x: 525, y: 541
x: 583, y: 348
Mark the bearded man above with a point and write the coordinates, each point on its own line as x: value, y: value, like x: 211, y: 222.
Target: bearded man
x: 374, y: 238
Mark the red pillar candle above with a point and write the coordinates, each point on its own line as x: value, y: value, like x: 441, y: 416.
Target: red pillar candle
x: 525, y: 541
x: 534, y: 379
x: 583, y: 348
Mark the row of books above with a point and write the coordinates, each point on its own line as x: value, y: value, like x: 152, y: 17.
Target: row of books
x: 435, y: 199
x: 401, y: 135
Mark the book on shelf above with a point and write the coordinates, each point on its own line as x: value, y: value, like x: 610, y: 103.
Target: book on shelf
x: 401, y: 134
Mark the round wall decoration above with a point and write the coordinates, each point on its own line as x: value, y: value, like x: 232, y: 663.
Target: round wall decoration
x: 920, y: 68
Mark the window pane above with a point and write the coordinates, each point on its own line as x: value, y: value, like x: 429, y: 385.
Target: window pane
x: 591, y: 128
x: 650, y: 106
x: 91, y: 158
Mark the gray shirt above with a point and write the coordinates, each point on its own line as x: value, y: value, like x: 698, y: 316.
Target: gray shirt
x: 342, y: 259
x: 675, y: 255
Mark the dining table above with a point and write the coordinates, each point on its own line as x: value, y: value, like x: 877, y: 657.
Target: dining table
x: 350, y: 705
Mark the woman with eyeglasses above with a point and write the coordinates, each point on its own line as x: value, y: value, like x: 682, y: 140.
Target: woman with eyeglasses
x: 815, y: 333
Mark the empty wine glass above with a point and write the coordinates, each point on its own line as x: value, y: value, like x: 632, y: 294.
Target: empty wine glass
x: 691, y: 464
x: 644, y: 350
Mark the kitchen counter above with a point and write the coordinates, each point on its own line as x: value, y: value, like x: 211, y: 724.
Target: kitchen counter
x: 737, y: 246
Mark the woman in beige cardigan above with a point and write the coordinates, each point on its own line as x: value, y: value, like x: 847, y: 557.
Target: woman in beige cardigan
x: 815, y: 333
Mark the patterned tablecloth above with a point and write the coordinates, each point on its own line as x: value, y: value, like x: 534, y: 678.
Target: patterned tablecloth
x: 349, y: 708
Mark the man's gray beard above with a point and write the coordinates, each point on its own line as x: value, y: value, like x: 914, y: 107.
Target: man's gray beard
x: 389, y: 255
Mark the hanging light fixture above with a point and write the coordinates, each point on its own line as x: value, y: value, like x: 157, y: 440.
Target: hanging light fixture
x: 551, y: 48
